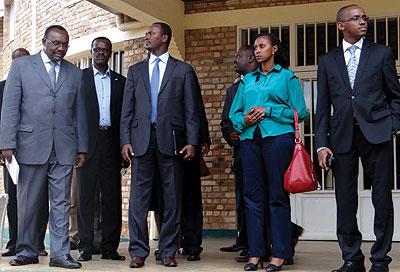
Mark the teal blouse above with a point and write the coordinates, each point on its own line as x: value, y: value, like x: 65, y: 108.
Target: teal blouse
x: 279, y: 92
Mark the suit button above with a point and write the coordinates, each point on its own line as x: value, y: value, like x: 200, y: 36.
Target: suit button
x: 353, y: 97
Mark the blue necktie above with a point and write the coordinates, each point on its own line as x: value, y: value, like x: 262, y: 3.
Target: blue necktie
x: 154, y: 83
x: 352, y: 65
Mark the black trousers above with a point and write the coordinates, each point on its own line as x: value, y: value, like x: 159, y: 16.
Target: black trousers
x: 240, y: 209
x: 377, y: 160
x: 102, y: 168
x: 12, y: 216
x: 171, y: 175
x: 192, y: 207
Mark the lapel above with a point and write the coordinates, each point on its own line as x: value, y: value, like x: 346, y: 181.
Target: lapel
x: 63, y: 74
x: 114, y: 95
x: 41, y: 69
x: 363, y: 61
x: 171, y: 64
x: 341, y: 63
x: 144, y: 69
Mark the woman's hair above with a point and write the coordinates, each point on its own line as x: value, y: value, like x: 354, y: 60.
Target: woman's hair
x: 280, y: 56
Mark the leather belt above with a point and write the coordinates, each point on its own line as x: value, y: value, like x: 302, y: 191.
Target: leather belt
x: 104, y: 127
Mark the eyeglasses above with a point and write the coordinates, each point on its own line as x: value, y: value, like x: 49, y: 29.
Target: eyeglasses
x: 58, y: 44
x: 98, y: 49
x: 356, y: 19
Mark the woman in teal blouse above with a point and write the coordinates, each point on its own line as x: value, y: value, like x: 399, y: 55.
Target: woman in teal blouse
x: 263, y: 111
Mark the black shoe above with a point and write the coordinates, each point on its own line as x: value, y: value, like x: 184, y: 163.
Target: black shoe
x: 350, y: 266
x: 233, y: 248
x: 288, y: 261
x: 242, y: 259
x: 377, y: 267
x: 252, y: 266
x: 95, y: 251
x: 8, y: 252
x: 43, y: 253
x: 64, y: 261
x: 73, y: 245
x: 193, y: 257
x: 272, y: 267
x: 112, y: 255
x: 297, y: 232
x: 23, y: 260
x: 84, y: 256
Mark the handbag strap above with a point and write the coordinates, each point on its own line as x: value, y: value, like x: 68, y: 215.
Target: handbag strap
x: 296, y: 126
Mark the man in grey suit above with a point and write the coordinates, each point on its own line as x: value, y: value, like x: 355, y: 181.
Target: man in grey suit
x: 160, y: 101
x: 43, y: 125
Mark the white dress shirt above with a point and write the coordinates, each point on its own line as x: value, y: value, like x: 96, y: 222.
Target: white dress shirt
x: 346, y: 52
x: 103, y: 90
x: 162, y: 65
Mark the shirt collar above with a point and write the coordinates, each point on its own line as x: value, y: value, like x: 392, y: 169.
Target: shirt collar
x: 95, y: 71
x: 346, y: 44
x: 46, y: 59
x: 277, y: 68
x: 164, y: 57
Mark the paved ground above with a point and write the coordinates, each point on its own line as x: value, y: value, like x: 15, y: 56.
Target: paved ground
x: 310, y: 256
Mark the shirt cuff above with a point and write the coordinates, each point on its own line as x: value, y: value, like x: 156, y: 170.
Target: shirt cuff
x: 321, y: 148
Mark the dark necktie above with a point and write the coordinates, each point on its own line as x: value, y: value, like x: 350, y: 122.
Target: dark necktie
x: 52, y: 74
x: 154, y: 83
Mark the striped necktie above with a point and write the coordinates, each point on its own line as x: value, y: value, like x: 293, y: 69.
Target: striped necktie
x: 352, y: 64
x: 154, y: 84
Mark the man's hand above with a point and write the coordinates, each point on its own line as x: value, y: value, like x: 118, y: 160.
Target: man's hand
x: 7, y: 154
x: 254, y: 115
x: 1, y: 160
x: 235, y: 138
x: 322, y: 155
x: 127, y: 153
x: 80, y: 159
x: 205, y: 147
x: 190, y: 152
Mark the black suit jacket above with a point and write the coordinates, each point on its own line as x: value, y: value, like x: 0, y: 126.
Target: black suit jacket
x: 227, y: 126
x: 92, y: 109
x: 177, y: 107
x: 374, y: 102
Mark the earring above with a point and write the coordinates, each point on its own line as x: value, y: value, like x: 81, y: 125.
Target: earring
x: 273, y: 53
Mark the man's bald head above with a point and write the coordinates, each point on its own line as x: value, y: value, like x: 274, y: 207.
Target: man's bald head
x: 19, y: 52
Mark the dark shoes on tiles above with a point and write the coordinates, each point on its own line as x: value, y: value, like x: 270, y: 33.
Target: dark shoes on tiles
x: 84, y: 256
x: 233, y: 248
x: 8, y: 252
x: 253, y: 266
x: 43, y: 253
x: 112, y: 255
x: 273, y: 267
x: 23, y: 260
x: 136, y: 262
x: 64, y: 261
x: 169, y: 262
x: 193, y: 257
x: 377, y: 267
x: 350, y: 266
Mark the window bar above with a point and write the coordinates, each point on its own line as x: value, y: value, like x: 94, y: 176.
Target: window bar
x: 304, y: 45
x: 394, y: 164
x: 398, y: 37
x: 375, y: 30
x: 387, y: 30
x: 337, y: 37
x: 326, y: 37
x: 248, y: 35
x: 280, y: 33
x: 315, y: 45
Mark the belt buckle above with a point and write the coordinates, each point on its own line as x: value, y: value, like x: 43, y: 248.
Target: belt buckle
x: 104, y: 127
x: 154, y: 125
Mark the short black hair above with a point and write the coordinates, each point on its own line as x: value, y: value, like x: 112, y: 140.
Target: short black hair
x: 165, y: 30
x: 249, y: 49
x: 339, y: 14
x: 17, y: 53
x: 101, y: 38
x: 280, y: 55
x: 50, y: 28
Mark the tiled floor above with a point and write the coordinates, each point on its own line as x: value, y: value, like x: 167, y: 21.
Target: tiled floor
x: 310, y: 256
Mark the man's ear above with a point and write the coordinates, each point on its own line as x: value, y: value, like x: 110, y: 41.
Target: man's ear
x: 164, y: 38
x: 251, y: 59
x: 340, y: 26
x: 44, y: 41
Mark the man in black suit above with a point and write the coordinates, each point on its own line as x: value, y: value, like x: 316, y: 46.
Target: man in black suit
x: 11, y: 189
x: 359, y: 80
x: 103, y: 90
x: 159, y: 125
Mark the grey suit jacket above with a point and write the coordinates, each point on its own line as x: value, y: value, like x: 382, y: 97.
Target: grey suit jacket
x: 35, y: 117
x: 177, y: 107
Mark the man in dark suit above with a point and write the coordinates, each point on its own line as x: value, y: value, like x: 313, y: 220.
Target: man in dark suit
x: 359, y: 80
x: 43, y: 124
x: 159, y: 125
x: 103, y: 92
x: 11, y: 189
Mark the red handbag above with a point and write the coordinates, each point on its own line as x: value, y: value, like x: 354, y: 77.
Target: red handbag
x: 300, y: 176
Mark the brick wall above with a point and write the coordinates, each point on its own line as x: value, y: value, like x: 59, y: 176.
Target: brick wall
x: 219, y: 5
x: 211, y: 51
x: 80, y: 19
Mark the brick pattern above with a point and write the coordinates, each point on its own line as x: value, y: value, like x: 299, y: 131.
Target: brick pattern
x: 211, y: 51
x: 80, y: 19
x: 220, y: 5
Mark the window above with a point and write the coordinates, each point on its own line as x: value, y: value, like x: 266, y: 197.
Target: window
x: 11, y: 23
x: 117, y: 61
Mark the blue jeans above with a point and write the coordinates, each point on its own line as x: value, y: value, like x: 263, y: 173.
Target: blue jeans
x: 264, y: 162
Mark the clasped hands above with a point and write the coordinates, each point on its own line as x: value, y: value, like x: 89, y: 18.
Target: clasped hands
x: 254, y: 115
